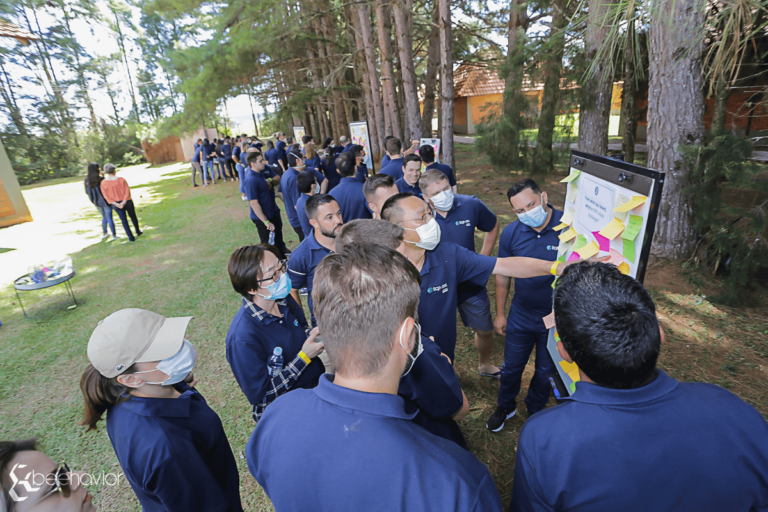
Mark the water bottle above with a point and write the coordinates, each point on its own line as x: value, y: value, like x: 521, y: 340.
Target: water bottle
x: 271, y: 238
x: 275, y: 363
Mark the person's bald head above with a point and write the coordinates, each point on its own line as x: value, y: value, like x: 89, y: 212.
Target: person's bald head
x: 371, y: 231
x: 402, y: 206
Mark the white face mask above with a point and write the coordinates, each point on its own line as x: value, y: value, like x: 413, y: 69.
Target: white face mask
x: 177, y: 367
x: 443, y: 201
x: 429, y: 235
x: 418, y: 348
x: 317, y: 188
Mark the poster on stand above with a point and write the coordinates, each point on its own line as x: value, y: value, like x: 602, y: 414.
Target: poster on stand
x: 435, y: 143
x: 298, y: 133
x: 359, y: 133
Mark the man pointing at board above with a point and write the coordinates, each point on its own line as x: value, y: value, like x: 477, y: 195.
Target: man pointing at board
x: 533, y: 236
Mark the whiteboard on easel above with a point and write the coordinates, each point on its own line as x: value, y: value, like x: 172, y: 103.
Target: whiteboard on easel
x: 435, y: 143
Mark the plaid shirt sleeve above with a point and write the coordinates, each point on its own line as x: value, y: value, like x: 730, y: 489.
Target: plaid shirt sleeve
x: 280, y: 384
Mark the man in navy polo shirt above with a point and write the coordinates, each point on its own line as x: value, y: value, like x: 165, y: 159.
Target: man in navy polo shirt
x: 411, y: 174
x: 259, y: 188
x: 345, y: 144
x: 367, y: 298
x: 377, y: 190
x: 326, y: 221
x: 291, y: 192
x: 444, y: 266
x: 273, y: 156
x: 308, y: 186
x: 349, y: 192
x: 631, y: 437
x: 532, y: 235
x: 458, y: 216
x: 427, y: 154
x: 281, y: 147
x: 385, y: 160
x: 394, y: 168
x: 361, y: 169
x: 196, y: 166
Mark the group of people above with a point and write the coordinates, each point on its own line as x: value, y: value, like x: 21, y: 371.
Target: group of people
x: 109, y: 193
x: 358, y: 406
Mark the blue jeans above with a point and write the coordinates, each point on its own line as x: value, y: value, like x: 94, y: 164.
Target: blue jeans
x: 222, y: 168
x: 524, y: 331
x: 242, y: 177
x: 208, y: 166
x: 106, y: 219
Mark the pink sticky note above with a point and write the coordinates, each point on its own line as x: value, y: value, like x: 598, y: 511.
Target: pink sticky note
x: 616, y: 258
x: 603, y: 242
x: 549, y: 320
x: 574, y: 256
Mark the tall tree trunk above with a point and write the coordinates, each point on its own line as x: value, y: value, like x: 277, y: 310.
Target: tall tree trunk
x: 675, y: 116
x: 433, y: 63
x: 595, y: 109
x: 446, y: 83
x: 330, y: 36
x: 628, y: 124
x: 392, y: 115
x: 514, y: 99
x: 6, y: 91
x: 324, y: 131
x: 376, y: 107
x: 79, y: 72
x: 722, y: 93
x: 324, y: 62
x: 553, y: 64
x: 410, y: 91
x: 124, y: 53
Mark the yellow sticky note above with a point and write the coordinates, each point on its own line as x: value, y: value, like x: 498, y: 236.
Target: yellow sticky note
x: 560, y: 226
x: 589, y: 250
x: 621, y: 201
x: 573, y: 190
x: 624, y: 268
x: 613, y: 229
x: 567, y: 217
x: 570, y: 369
x: 633, y: 203
x: 575, y: 173
x: 568, y: 235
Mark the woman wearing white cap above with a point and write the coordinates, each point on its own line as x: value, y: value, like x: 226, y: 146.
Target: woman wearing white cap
x: 170, y: 444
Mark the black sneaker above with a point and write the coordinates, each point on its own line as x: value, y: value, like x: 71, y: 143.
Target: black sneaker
x: 497, y: 419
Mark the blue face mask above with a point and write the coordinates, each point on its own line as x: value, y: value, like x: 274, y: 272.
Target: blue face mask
x: 536, y: 217
x: 280, y: 289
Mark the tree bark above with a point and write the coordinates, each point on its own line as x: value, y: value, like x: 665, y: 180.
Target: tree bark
x: 433, y: 63
x: 410, y: 91
x: 595, y: 109
x: 675, y: 116
x: 79, y: 72
x: 446, y: 83
x: 325, y: 65
x: 333, y: 61
x: 6, y: 91
x: 375, y: 107
x: 514, y: 99
x: 628, y: 125
x: 722, y: 93
x: 121, y: 44
x: 317, y: 84
x: 392, y: 116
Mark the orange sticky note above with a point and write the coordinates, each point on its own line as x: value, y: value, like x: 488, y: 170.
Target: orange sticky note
x: 613, y: 229
x: 568, y: 235
x: 624, y: 268
x: 633, y: 203
x: 589, y: 250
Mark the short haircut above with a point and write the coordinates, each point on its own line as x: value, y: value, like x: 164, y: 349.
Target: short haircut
x: 361, y: 296
x: 607, y: 323
x: 384, y: 143
x: 370, y: 231
x: 305, y: 181
x: 411, y: 158
x: 345, y: 163
x: 343, y: 140
x: 430, y: 177
x: 393, y: 146
x: 245, y: 267
x: 293, y: 159
x: 289, y: 140
x: 305, y: 139
x: 427, y: 153
x: 521, y: 185
x: 374, y: 183
x: 109, y: 168
x: 8, y: 450
x: 252, y: 157
x: 315, y: 202
x: 391, y: 210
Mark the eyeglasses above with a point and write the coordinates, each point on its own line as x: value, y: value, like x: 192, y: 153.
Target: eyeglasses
x: 424, y: 218
x: 279, y: 270
x: 61, y: 482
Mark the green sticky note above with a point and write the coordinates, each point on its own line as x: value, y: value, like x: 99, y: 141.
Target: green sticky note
x: 629, y: 250
x: 581, y: 241
x: 633, y: 227
x: 561, y: 258
x: 554, y: 282
x: 573, y: 387
x: 575, y: 173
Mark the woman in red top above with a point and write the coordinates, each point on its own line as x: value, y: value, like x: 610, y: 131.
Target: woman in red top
x: 118, y: 194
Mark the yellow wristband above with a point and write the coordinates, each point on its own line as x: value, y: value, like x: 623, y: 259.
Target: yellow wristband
x: 304, y: 357
x: 553, y: 268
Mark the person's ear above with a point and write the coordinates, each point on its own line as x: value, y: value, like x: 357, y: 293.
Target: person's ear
x: 544, y: 199
x: 561, y: 350
x: 130, y: 381
x: 313, y: 223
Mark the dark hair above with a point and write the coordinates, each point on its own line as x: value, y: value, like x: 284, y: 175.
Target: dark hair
x: 384, y: 143
x: 411, y: 158
x: 315, y: 202
x: 370, y: 231
x: 289, y: 140
x: 374, y: 183
x: 607, y: 323
x: 100, y: 394
x: 305, y: 139
x: 293, y: 159
x: 357, y: 149
x: 206, y: 141
x: 252, y: 157
x: 245, y: 267
x: 345, y: 163
x: 8, y: 450
x: 361, y: 296
x: 391, y: 206
x: 427, y: 154
x: 270, y: 144
x: 92, y: 179
x: 327, y: 141
x: 393, y: 146
x: 521, y: 185
x: 305, y: 181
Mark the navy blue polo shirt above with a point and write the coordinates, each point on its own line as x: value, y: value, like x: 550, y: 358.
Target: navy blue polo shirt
x: 446, y: 169
x: 272, y: 156
x: 313, y: 163
x: 226, y: 151
x: 196, y: 157
x: 291, y: 193
x: 281, y: 145
x: 306, y: 227
x: 349, y: 194
x: 347, y: 148
x: 665, y: 446
x: 394, y: 168
x: 175, y: 453
x: 331, y: 173
x: 385, y: 160
x: 362, y: 173
x: 402, y: 186
x: 372, y: 456
x: 256, y: 187
x: 534, y: 294
x: 445, y: 267
x: 236, y: 153
x: 301, y: 267
x: 207, y: 149
x: 252, y: 338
